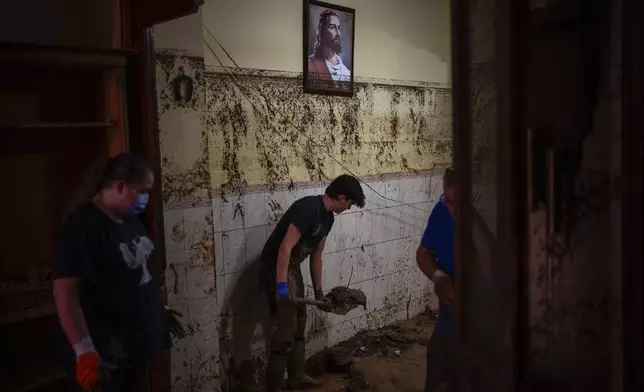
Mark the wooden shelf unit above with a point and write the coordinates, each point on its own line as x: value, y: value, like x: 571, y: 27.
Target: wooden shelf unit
x: 27, y: 307
x: 60, y: 109
x: 58, y: 125
x: 31, y: 55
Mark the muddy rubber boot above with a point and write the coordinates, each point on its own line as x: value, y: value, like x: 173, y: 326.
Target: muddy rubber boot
x: 296, y: 378
x: 275, y: 369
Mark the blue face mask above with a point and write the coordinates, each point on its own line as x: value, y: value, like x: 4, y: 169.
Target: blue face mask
x: 139, y: 205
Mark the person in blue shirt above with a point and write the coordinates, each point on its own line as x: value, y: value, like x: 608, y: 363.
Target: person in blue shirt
x: 435, y: 258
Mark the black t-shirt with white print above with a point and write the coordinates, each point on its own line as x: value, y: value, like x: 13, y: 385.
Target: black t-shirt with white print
x: 120, y: 292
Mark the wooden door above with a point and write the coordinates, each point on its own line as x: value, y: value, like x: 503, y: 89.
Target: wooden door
x: 548, y: 103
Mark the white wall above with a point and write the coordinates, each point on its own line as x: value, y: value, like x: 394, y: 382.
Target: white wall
x: 401, y: 40
x: 407, y: 40
x: 371, y: 249
x: 183, y: 33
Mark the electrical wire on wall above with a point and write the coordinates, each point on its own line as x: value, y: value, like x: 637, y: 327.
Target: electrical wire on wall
x: 288, y: 121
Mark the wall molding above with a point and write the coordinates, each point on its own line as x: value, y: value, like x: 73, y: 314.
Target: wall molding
x: 252, y: 72
x: 294, y: 186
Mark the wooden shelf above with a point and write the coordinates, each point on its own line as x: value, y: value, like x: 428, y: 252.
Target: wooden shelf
x: 27, y: 306
x: 58, y: 56
x: 31, y: 313
x: 45, y: 379
x: 33, y: 358
x: 59, y: 125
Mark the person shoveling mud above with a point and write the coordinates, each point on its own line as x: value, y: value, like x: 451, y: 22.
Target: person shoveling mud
x: 301, y: 233
x: 340, y: 300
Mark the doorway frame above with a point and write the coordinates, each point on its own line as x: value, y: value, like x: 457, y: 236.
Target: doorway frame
x: 511, y: 144
x: 143, y: 127
x: 632, y: 198
x: 514, y: 141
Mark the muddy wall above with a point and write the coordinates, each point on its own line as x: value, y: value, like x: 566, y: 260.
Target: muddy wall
x: 237, y: 149
x: 223, y: 197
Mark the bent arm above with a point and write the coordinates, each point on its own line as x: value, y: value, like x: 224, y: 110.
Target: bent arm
x: 443, y: 286
x: 284, y: 254
x: 426, y: 261
x: 316, y: 267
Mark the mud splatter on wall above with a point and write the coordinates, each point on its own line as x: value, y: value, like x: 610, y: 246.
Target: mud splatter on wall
x: 183, y: 138
x: 256, y: 128
x: 237, y: 153
x: 265, y: 130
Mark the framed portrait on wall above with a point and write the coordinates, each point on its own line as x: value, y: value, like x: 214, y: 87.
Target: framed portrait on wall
x: 329, y: 32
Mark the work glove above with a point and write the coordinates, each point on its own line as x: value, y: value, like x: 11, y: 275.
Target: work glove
x: 319, y: 296
x: 177, y: 330
x: 91, y: 373
x: 283, y: 293
x: 282, y: 290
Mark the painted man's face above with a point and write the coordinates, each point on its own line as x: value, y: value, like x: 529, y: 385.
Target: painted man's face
x: 332, y: 34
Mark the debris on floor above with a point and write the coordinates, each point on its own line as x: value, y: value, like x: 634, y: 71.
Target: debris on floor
x: 390, y: 358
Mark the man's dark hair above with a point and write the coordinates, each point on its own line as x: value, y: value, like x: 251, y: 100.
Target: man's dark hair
x: 449, y: 178
x: 348, y: 186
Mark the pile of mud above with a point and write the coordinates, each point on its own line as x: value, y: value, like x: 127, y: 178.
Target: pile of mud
x: 344, y: 299
x: 344, y: 358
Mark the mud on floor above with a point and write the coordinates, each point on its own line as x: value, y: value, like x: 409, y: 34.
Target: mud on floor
x: 389, y: 359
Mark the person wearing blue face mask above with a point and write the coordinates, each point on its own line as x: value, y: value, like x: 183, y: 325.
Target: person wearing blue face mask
x: 106, y: 287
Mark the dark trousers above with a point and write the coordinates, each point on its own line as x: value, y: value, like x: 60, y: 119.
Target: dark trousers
x: 289, y: 321
x: 286, y: 349
x: 441, y: 359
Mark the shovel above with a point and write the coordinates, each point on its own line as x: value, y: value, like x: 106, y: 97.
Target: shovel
x: 325, y: 306
x: 307, y: 301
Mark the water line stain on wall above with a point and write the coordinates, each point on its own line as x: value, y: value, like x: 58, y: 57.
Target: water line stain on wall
x: 255, y: 129
x: 264, y: 130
